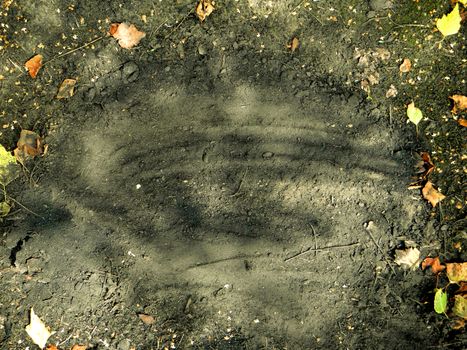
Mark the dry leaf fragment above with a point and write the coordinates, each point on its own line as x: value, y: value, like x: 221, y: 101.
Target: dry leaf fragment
x: 37, y: 330
x: 405, y: 66
x: 460, y: 103
x: 392, y: 92
x: 407, y: 258
x: 294, y: 44
x: 456, y: 272
x: 436, y: 266
x: 462, y: 122
x: 425, y: 166
x: 204, y: 9
x: 127, y: 35
x: 147, y: 319
x: 33, y: 65
x: 28, y: 146
x: 431, y: 194
x: 79, y: 347
x: 460, y: 306
x: 51, y: 347
x: 66, y: 89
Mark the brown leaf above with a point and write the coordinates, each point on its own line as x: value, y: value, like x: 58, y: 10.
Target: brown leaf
x: 462, y: 122
x: 79, y: 347
x: 294, y: 44
x: 28, y: 146
x: 431, y: 194
x: 407, y: 258
x: 460, y: 103
x: 127, y: 35
x: 51, y: 347
x: 33, y: 65
x: 436, y: 267
x: 66, y: 89
x: 405, y: 66
x: 425, y: 166
x: 147, y: 319
x: 456, y: 272
x: 204, y: 9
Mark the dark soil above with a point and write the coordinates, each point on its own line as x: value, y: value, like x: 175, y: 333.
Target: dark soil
x: 243, y: 195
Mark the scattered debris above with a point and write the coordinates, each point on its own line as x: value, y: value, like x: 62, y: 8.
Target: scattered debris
x: 128, y: 35
x: 33, y: 65
x: 37, y: 330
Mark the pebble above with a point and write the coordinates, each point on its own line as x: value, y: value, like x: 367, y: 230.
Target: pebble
x: 268, y: 155
x: 202, y: 50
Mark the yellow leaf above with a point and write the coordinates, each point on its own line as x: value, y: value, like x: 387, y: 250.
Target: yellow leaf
x: 37, y: 330
x: 4, y: 209
x: 460, y: 306
x: 463, y: 2
x: 451, y: 23
x: 9, y: 169
x: 456, y: 272
x: 414, y: 114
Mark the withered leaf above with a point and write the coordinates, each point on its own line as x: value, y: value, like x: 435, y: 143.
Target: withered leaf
x: 66, y: 89
x: 436, y: 266
x: 425, y: 165
x: 456, y: 272
x: 392, y: 92
x: 37, y: 330
x: 460, y: 306
x: 405, y: 66
x: 294, y: 44
x: 204, y: 9
x: 147, y: 319
x: 462, y: 122
x: 51, y: 347
x: 407, y: 258
x: 431, y: 194
x: 460, y: 103
x: 28, y: 146
x: 127, y: 35
x: 33, y: 65
x: 79, y: 347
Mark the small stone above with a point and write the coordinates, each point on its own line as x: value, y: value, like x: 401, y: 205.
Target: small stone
x: 268, y: 155
x: 124, y: 345
x: 202, y: 50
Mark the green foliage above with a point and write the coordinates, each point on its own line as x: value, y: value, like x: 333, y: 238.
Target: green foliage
x: 9, y: 168
x: 414, y: 114
x: 441, y: 301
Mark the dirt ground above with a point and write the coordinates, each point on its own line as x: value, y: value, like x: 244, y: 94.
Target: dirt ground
x: 242, y: 195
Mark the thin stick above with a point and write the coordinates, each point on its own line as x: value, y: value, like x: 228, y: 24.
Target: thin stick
x: 314, y: 238
x: 381, y: 251
x: 309, y: 250
x: 25, y: 208
x: 74, y: 50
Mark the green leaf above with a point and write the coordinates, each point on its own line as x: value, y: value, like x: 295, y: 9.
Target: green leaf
x: 414, y: 114
x: 4, y: 209
x: 9, y: 169
x: 441, y: 301
x: 451, y: 23
x: 460, y: 306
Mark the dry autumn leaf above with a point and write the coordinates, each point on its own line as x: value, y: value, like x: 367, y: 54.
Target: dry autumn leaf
x: 33, y: 65
x: 66, y: 89
x: 425, y: 165
x: 405, y: 66
x: 37, y: 330
x: 462, y: 122
x: 28, y: 146
x: 79, y: 347
x: 294, y: 44
x: 51, y: 347
x: 204, y: 9
x: 456, y: 272
x: 147, y: 319
x: 407, y: 258
x: 460, y: 306
x: 460, y: 103
x: 128, y: 35
x: 431, y: 194
x: 392, y: 92
x: 434, y: 263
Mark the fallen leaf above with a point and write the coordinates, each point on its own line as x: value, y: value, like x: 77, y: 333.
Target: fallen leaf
x: 28, y: 146
x: 37, y: 330
x: 79, y: 347
x: 147, y: 319
x: 434, y: 263
x: 127, y: 35
x: 33, y: 65
x: 451, y: 23
x: 4, y: 209
x: 462, y: 122
x: 460, y: 306
x: 431, y: 194
x: 9, y: 169
x: 405, y: 66
x: 457, y: 246
x: 441, y: 301
x: 66, y: 89
x: 414, y: 114
x: 204, y: 9
x: 408, y: 258
x: 392, y: 92
x: 51, y: 347
x: 458, y: 324
x: 294, y: 44
x: 456, y: 272
x: 460, y: 103
x: 425, y: 165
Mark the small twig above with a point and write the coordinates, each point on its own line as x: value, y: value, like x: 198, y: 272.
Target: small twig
x: 314, y: 238
x: 25, y: 208
x: 309, y: 250
x: 380, y: 250
x: 237, y: 191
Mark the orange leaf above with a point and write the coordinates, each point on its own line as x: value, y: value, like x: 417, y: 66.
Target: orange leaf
x: 51, y: 347
x: 204, y: 9
x: 460, y: 103
x: 29, y: 145
x: 79, y: 347
x: 436, y: 267
x: 66, y: 89
x: 457, y: 272
x: 293, y: 44
x: 405, y: 66
x: 126, y: 34
x: 431, y: 194
x: 147, y: 319
x: 33, y: 65
x: 462, y: 122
